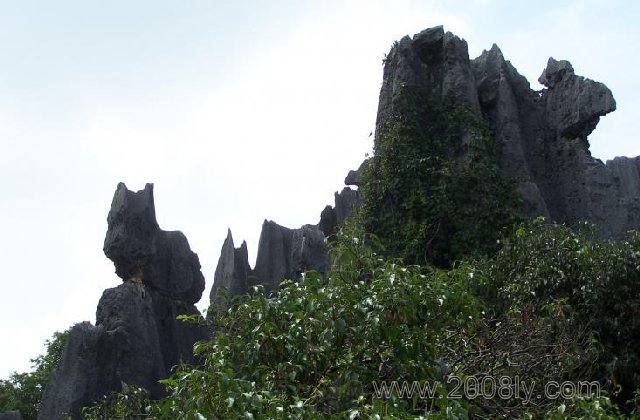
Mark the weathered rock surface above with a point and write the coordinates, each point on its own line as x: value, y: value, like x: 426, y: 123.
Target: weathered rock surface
x: 284, y: 253
x: 137, y: 338
x: 436, y: 61
x: 232, y: 273
x: 355, y: 177
x: 10, y: 415
x: 134, y: 242
x: 346, y: 201
x: 541, y: 136
x: 328, y: 223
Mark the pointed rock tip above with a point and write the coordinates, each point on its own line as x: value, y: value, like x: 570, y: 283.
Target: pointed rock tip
x: 554, y: 72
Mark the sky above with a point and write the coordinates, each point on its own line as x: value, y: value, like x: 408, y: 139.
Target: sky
x: 236, y: 111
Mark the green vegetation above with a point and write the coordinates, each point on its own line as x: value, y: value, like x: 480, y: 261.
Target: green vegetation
x: 436, y: 284
x: 23, y: 391
x: 433, y: 192
x: 325, y: 345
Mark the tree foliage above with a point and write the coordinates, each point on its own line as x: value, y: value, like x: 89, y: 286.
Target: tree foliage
x: 323, y: 345
x: 433, y: 192
x: 23, y: 391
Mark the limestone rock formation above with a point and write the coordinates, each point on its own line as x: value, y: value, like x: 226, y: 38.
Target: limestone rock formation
x: 284, y: 253
x: 355, y: 177
x: 345, y: 201
x: 232, y: 273
x: 328, y: 223
x: 541, y: 136
x: 137, y: 338
x: 134, y: 242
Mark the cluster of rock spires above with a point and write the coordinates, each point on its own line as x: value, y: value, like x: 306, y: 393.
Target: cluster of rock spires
x: 541, y: 139
x: 137, y: 338
x: 541, y: 135
x: 283, y: 253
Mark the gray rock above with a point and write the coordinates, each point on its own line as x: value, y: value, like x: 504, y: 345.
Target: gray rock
x: 137, y: 338
x: 555, y: 72
x: 284, y: 253
x: 346, y: 201
x: 541, y: 137
x: 355, y: 177
x: 328, y: 222
x: 232, y: 273
x: 574, y: 104
x: 10, y: 415
x: 273, y: 262
x: 434, y: 61
x: 626, y: 173
x: 138, y: 247
x: 308, y: 250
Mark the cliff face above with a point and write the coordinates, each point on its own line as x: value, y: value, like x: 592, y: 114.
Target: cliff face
x: 541, y: 136
x: 137, y: 338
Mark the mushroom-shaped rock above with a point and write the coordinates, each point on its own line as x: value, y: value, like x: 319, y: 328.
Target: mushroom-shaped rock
x: 574, y: 104
x: 140, y: 250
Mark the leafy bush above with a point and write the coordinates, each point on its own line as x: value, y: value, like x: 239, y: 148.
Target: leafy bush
x: 23, y: 391
x: 598, y: 280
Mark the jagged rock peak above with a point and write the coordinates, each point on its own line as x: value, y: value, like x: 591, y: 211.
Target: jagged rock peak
x: 232, y: 272
x: 574, y: 104
x: 541, y: 136
x: 132, y: 225
x: 555, y: 72
x: 284, y: 253
x: 142, y: 252
x: 434, y: 60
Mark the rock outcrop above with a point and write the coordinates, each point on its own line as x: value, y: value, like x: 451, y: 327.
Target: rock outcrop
x: 283, y: 253
x: 137, y: 338
x: 137, y: 246
x: 232, y: 273
x: 355, y: 177
x: 541, y: 136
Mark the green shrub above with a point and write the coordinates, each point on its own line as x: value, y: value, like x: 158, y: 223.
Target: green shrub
x: 23, y: 391
x: 598, y: 280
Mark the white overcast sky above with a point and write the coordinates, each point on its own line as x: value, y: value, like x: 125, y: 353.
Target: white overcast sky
x: 237, y: 111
